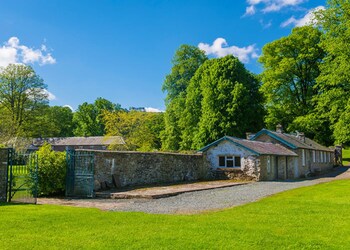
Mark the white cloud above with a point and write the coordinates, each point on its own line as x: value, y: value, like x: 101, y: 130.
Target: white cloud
x: 306, y: 20
x: 270, y: 5
x: 49, y: 95
x: 68, y: 106
x: 265, y: 25
x: 7, y: 55
x: 250, y: 10
x: 220, y: 48
x: 13, y: 52
x: 154, y: 110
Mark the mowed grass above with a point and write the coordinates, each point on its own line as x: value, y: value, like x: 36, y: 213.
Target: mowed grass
x: 346, y: 157
x: 316, y: 217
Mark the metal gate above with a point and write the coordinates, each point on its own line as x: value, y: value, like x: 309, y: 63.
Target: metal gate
x: 80, y: 174
x: 22, y: 177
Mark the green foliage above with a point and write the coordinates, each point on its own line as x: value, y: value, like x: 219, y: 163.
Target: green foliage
x: 186, y: 61
x: 140, y: 130
x: 88, y: 117
x: 223, y: 99
x: 342, y: 127
x: 51, y: 171
x: 22, y: 94
x: 315, y: 217
x: 334, y: 80
x: 55, y: 121
x: 346, y: 157
x: 291, y: 66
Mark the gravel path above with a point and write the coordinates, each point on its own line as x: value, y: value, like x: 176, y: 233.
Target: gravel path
x: 199, y: 201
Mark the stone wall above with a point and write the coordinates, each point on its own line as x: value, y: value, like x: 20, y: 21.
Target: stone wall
x: 121, y: 169
x: 3, y: 174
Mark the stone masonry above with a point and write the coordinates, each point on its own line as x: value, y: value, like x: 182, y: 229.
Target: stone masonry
x: 3, y: 174
x: 121, y: 169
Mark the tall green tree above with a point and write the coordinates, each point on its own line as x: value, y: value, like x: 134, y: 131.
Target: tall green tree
x: 334, y: 80
x: 140, y: 130
x: 88, y: 117
x: 223, y: 99
x: 291, y: 65
x: 22, y: 95
x: 186, y: 61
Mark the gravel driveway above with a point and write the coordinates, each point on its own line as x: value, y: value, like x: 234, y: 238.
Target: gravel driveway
x: 200, y: 201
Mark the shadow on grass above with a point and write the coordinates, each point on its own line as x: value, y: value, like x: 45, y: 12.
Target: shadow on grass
x: 2, y: 204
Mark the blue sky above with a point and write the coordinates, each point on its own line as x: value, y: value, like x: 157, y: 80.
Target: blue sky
x: 122, y: 50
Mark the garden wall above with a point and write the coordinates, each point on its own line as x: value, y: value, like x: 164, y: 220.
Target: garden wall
x: 3, y: 173
x: 120, y: 169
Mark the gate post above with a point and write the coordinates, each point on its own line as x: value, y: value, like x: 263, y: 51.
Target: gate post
x: 4, y: 159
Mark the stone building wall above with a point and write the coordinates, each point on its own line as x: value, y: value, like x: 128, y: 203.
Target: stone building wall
x: 3, y: 173
x: 121, y: 169
x: 250, y: 163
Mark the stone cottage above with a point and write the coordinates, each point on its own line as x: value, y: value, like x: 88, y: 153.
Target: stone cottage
x: 241, y: 158
x: 312, y: 157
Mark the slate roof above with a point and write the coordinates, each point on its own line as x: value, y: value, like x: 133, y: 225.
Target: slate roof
x: 292, y: 140
x: 80, y: 141
x: 256, y: 147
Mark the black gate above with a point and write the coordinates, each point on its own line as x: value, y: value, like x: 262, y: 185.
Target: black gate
x: 22, y: 177
x: 80, y: 174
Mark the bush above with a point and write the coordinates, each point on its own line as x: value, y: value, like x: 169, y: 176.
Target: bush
x: 51, y: 171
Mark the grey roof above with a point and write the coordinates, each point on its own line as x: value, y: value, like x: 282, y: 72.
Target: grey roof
x: 80, y: 141
x: 293, y: 140
x: 256, y: 147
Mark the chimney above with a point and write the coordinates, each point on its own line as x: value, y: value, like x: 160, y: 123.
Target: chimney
x: 301, y: 136
x: 279, y: 128
x: 248, y: 135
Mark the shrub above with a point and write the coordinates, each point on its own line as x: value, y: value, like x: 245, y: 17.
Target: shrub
x: 51, y: 171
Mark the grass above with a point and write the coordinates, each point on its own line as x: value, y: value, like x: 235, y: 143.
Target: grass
x: 316, y: 217
x: 346, y: 157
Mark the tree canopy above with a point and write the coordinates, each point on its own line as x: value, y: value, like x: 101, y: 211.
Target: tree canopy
x: 223, y: 99
x: 186, y: 61
x: 140, y: 130
x: 291, y: 66
x: 22, y: 95
x: 88, y: 117
x: 334, y: 81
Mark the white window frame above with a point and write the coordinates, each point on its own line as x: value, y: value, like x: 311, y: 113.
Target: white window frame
x: 229, y: 158
x: 303, y: 158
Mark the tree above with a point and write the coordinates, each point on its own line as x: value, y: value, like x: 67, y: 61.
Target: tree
x: 186, y: 61
x: 87, y: 118
x: 334, y: 81
x: 223, y: 99
x: 140, y: 130
x: 291, y: 66
x: 22, y: 93
x: 51, y: 171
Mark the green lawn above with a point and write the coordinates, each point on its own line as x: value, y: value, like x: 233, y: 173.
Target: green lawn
x: 346, y: 157
x: 316, y: 217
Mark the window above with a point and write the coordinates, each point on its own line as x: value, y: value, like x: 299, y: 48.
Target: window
x: 314, y: 155
x: 303, y: 155
x: 229, y: 161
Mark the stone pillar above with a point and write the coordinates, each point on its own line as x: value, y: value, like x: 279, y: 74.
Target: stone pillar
x: 338, y: 155
x: 3, y: 173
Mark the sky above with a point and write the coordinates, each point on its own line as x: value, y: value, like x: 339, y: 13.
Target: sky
x: 121, y: 50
